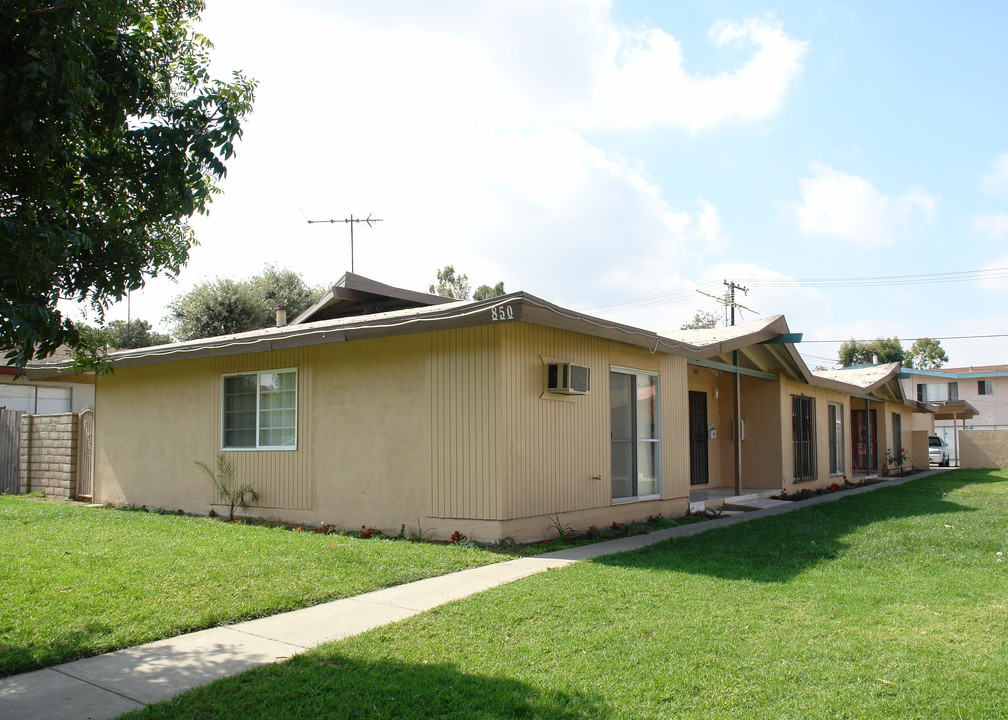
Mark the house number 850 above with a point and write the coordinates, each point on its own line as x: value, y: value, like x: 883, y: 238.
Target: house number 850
x: 502, y: 313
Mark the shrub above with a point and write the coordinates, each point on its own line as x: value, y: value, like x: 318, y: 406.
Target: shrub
x: 227, y: 485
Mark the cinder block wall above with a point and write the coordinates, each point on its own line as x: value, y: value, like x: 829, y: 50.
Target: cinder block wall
x: 983, y: 448
x: 49, y: 454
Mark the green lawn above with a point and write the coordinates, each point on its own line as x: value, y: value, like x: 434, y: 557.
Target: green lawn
x: 889, y: 604
x: 77, y: 581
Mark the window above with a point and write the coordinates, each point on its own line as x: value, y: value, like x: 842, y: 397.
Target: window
x: 836, y: 439
x: 803, y: 435
x: 937, y: 392
x: 897, y: 434
x: 985, y: 387
x: 35, y: 398
x: 635, y: 434
x: 259, y: 411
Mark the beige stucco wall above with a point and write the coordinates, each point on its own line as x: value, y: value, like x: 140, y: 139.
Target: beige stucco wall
x: 761, y: 447
x: 823, y: 397
x: 983, y: 448
x: 451, y: 430
x: 919, y: 449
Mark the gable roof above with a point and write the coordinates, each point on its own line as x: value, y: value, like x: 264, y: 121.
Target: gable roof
x: 882, y: 381
x: 765, y: 345
x: 355, y: 295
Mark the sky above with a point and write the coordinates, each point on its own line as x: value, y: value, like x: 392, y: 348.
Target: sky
x: 845, y: 162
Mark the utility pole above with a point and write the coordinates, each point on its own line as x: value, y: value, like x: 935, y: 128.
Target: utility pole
x: 730, y: 298
x: 350, y: 221
x: 730, y: 301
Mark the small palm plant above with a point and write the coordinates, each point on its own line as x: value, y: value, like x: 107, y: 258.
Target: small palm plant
x: 227, y: 485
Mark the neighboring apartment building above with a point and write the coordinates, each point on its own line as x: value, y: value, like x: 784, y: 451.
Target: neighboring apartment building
x: 983, y: 387
x: 33, y: 394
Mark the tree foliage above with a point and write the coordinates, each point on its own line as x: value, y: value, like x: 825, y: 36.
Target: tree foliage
x: 879, y: 351
x: 925, y: 353
x: 225, y: 306
x: 702, y: 320
x: 450, y: 285
x: 112, y: 135
x: 485, y: 292
x: 120, y: 335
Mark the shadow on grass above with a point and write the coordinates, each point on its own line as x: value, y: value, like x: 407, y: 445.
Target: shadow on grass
x: 60, y: 648
x: 332, y: 685
x: 779, y: 547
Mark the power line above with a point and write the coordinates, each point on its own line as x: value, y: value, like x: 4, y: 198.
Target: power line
x: 912, y: 339
x: 665, y: 298
x: 869, y: 281
x: 676, y: 296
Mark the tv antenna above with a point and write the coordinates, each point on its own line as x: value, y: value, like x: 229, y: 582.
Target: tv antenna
x: 349, y: 221
x: 728, y: 299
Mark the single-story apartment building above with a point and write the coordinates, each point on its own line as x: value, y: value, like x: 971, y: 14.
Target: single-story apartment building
x: 384, y: 407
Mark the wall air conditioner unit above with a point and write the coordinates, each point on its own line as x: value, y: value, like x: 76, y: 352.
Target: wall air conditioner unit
x: 568, y: 378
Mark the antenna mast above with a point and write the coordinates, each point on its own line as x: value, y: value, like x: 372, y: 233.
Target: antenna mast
x: 349, y: 221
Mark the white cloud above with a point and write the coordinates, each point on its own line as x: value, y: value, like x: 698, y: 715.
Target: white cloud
x: 850, y: 208
x: 996, y: 182
x: 994, y: 226
x: 461, y: 125
x: 644, y: 80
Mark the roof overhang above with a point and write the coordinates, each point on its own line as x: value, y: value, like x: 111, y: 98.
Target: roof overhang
x: 355, y: 295
x: 947, y: 410
x: 515, y: 307
x: 765, y: 347
x: 871, y: 382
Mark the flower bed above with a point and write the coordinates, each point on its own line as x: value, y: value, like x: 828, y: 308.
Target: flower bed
x: 806, y: 493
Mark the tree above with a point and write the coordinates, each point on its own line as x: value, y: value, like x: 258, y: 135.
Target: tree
x: 925, y: 353
x: 225, y: 306
x: 485, y: 292
x: 134, y: 334
x: 449, y: 285
x: 702, y: 320
x: 880, y: 350
x: 120, y: 335
x: 112, y: 135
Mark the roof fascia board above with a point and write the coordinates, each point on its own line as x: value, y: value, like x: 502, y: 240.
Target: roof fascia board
x: 784, y: 338
x: 969, y: 375
x: 515, y: 307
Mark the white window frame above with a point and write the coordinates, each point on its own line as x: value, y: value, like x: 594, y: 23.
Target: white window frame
x: 657, y: 495
x: 258, y: 410
x: 985, y: 387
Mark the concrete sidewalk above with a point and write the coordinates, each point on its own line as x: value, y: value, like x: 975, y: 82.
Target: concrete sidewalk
x: 108, y: 685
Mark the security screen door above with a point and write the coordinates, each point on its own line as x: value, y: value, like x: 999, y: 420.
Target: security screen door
x: 635, y: 432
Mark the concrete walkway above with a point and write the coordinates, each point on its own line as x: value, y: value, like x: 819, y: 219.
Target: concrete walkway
x: 108, y: 685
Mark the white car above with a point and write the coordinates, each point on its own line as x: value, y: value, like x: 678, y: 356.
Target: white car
x: 938, y: 451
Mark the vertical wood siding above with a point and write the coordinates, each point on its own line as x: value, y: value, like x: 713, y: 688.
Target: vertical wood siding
x: 675, y: 427
x: 503, y: 449
x: 466, y: 423
x: 554, y: 445
x: 282, y: 477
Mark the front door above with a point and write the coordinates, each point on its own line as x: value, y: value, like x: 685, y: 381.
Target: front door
x: 699, y: 464
x: 863, y: 444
